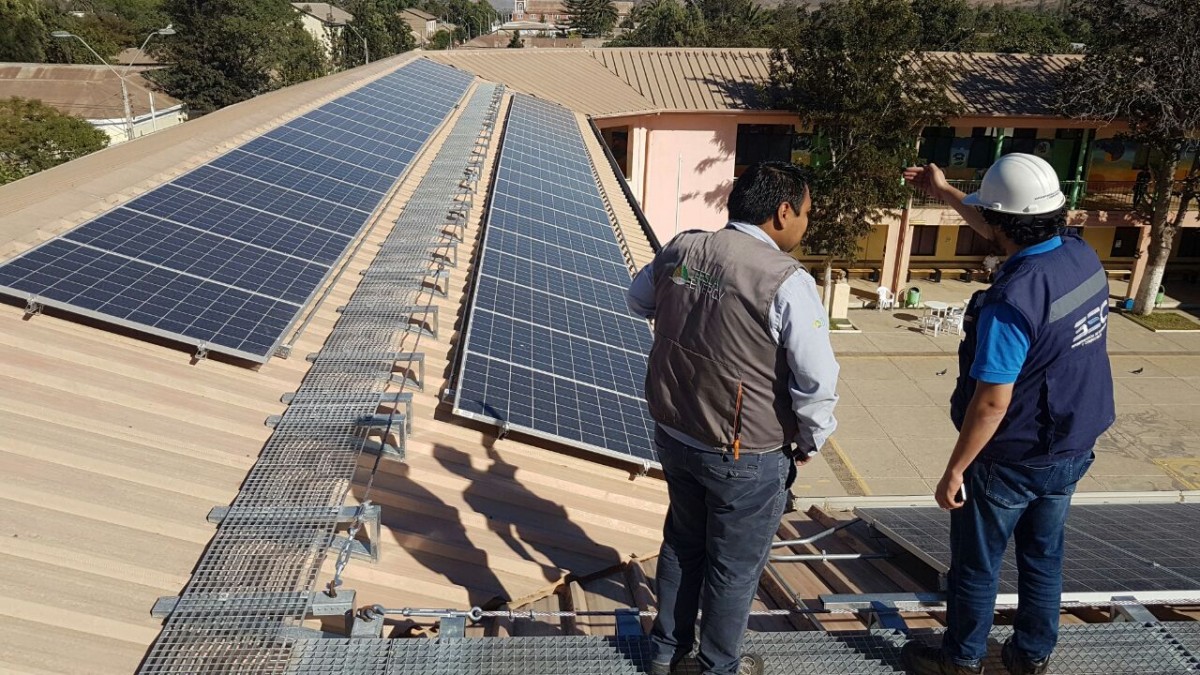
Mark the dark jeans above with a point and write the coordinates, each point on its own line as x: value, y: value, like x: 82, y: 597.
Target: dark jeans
x: 720, y: 523
x: 1026, y: 501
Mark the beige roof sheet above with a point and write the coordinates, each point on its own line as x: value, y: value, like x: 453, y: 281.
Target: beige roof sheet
x: 692, y: 79
x: 570, y: 77
x: 91, y: 92
x: 113, y: 448
x: 1006, y: 85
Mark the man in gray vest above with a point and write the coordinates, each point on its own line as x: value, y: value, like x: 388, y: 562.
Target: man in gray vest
x: 741, y: 383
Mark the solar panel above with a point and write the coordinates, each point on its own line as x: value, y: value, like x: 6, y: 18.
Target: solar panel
x: 1110, y: 548
x: 550, y: 347
x: 227, y: 255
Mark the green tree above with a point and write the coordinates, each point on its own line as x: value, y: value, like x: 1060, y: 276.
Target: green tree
x: 1141, y: 66
x: 515, y: 42
x: 380, y: 23
x: 855, y: 72
x: 440, y: 40
x: 231, y: 50
x: 1016, y: 30
x: 946, y: 25
x: 663, y: 23
x: 592, y: 18
x: 34, y: 136
x: 732, y: 23
x: 22, y: 33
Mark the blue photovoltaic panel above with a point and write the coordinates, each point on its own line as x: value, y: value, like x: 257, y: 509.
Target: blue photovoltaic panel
x: 551, y: 348
x: 227, y: 255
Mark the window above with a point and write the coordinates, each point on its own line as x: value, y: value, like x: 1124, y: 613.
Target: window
x: 983, y: 148
x: 970, y: 243
x: 763, y: 143
x: 1022, y: 140
x: 1125, y: 242
x: 924, y: 240
x: 1189, y: 242
x: 936, y: 143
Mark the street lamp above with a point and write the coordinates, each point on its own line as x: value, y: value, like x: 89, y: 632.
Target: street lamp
x: 65, y: 35
x: 366, y: 54
x: 169, y: 30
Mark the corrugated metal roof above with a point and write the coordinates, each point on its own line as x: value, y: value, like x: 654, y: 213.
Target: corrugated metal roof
x: 692, y: 78
x: 91, y: 92
x: 570, y: 77
x: 1006, y: 85
x: 114, y: 448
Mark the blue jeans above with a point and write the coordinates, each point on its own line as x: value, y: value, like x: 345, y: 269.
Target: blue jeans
x: 1029, y: 502
x: 721, y: 520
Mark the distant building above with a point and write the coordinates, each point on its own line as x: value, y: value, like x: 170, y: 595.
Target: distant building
x: 423, y: 24
x: 322, y: 20
x: 94, y: 93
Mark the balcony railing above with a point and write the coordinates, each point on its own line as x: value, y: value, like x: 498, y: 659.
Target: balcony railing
x: 1086, y: 195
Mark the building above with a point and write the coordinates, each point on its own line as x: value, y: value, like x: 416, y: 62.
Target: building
x: 423, y: 24
x: 683, y: 123
x: 322, y: 21
x: 94, y: 93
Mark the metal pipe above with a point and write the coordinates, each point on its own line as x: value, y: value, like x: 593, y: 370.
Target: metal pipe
x: 816, y: 537
x: 825, y: 557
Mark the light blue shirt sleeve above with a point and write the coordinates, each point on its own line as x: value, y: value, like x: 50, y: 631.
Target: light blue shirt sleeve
x: 640, y: 296
x: 800, y: 325
x: 1002, y: 345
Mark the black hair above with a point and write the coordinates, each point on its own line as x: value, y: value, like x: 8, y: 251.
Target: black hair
x: 759, y: 191
x: 1028, y: 230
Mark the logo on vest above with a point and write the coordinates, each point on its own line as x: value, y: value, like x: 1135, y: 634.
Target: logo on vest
x: 697, y: 280
x: 1091, y: 327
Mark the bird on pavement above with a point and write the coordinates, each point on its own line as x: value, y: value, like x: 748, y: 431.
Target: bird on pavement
x: 943, y: 371
x: 1138, y: 371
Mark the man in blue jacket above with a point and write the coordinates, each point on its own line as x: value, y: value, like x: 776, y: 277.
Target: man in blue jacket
x: 1034, y: 393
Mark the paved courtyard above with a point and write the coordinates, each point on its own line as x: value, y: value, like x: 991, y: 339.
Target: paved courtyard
x: 894, y: 432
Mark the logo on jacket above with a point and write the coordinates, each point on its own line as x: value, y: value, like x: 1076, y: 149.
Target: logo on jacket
x: 697, y: 280
x: 1091, y: 327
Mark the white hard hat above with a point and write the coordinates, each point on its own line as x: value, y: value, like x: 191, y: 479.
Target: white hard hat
x: 1019, y: 184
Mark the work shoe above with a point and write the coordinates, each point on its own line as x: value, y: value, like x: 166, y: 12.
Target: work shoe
x: 1017, y: 664
x: 684, y: 666
x: 921, y: 659
x: 751, y: 664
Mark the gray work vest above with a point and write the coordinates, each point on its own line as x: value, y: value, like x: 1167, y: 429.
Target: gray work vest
x: 715, y: 372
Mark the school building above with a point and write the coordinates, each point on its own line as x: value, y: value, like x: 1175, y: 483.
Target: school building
x: 683, y: 123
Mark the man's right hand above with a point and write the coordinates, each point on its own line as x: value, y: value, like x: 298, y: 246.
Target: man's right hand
x: 929, y: 179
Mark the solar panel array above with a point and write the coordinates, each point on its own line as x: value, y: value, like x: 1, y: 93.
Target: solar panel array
x: 550, y: 347
x: 1110, y: 548
x: 227, y: 255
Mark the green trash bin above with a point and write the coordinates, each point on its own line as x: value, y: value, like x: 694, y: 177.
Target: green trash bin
x: 1162, y: 295
x: 913, y: 298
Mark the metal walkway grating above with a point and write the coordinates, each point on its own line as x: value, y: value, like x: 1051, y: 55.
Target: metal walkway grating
x: 1091, y: 649
x: 254, y: 583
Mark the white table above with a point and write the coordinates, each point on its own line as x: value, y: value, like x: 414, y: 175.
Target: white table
x: 937, y: 307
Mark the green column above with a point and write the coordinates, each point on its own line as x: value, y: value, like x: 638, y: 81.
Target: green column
x: 999, y: 144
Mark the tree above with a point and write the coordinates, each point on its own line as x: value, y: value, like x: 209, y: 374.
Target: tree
x: 855, y: 73
x: 440, y: 40
x: 1141, y: 67
x: 592, y: 18
x: 381, y: 24
x: 946, y: 25
x: 34, y: 136
x: 231, y: 50
x: 1016, y: 30
x: 21, y: 31
x: 663, y: 23
x: 732, y: 23
x: 515, y: 42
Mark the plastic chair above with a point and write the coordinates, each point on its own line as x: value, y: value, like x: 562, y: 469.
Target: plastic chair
x: 931, y: 322
x: 953, y: 322
x: 885, y: 299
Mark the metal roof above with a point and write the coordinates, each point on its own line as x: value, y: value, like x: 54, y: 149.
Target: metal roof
x: 87, y: 91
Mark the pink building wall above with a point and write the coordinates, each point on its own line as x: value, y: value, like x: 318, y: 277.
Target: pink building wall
x: 699, y: 149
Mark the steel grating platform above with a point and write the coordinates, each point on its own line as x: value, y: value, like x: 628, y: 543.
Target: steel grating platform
x: 254, y: 584
x: 1089, y: 649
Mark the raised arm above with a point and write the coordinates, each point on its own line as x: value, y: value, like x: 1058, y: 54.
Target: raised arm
x: 930, y: 180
